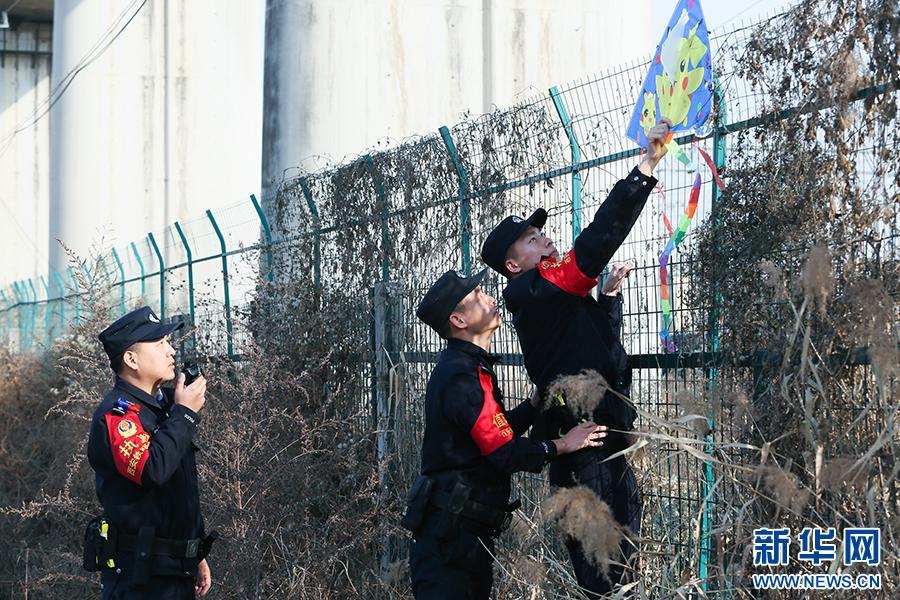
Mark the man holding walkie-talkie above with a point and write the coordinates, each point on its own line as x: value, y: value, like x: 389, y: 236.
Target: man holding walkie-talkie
x: 150, y: 540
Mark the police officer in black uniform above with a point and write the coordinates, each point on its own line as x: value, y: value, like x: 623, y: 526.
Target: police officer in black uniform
x: 563, y: 330
x: 471, y: 447
x: 150, y: 541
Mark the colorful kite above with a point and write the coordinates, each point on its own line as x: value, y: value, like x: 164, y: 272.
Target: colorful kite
x: 678, y: 85
x: 675, y: 238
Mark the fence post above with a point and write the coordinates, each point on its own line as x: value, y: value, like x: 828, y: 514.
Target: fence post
x: 20, y: 302
x: 6, y: 311
x: 190, y: 267
x: 317, y: 236
x: 47, y: 313
x: 575, y: 149
x: 32, y: 314
x: 137, y: 256
x: 382, y: 412
x: 380, y: 342
x: 224, y: 249
x: 62, y: 302
x: 708, y: 475
x: 121, y: 267
x: 77, y: 294
x: 385, y: 233
x: 270, y: 265
x: 162, y: 276
x: 465, y: 224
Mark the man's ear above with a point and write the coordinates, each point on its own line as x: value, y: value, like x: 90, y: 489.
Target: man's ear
x: 457, y: 320
x: 129, y: 359
x: 512, y: 266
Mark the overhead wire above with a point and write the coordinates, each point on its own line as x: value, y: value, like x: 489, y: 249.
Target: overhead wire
x: 95, y: 52
x: 43, y: 108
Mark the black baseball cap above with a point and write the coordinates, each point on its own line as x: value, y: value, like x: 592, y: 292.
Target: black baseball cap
x: 504, y: 235
x: 141, y: 325
x: 443, y: 296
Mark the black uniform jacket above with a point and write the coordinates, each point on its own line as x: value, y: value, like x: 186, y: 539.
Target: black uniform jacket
x: 146, y: 474
x: 469, y: 436
x: 562, y: 329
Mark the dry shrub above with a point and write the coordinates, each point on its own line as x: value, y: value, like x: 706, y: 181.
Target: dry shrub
x: 817, y: 277
x: 582, y: 392
x: 812, y: 203
x: 773, y: 278
x: 698, y: 406
x: 579, y: 515
x: 741, y: 408
x: 844, y: 473
x: 285, y: 461
x: 523, y: 532
x: 785, y: 488
x: 46, y: 487
x: 872, y: 323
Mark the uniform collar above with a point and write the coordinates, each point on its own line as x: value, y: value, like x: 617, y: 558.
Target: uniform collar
x: 140, y: 394
x: 472, y: 349
x: 518, y: 288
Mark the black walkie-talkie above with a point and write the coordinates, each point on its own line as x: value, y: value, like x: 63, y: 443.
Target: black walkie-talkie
x: 191, y: 372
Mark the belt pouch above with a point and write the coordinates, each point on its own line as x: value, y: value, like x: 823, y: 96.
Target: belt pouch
x: 417, y: 503
x: 143, y: 553
x: 449, y: 523
x: 91, y: 552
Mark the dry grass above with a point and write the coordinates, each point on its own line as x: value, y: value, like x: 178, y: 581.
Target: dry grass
x: 579, y: 515
x: 582, y: 392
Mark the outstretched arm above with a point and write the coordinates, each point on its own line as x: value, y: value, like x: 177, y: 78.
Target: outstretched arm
x: 617, y: 215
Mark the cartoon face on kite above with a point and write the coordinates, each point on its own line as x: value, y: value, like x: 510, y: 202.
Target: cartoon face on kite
x: 648, y: 112
x: 678, y: 84
x: 681, y: 76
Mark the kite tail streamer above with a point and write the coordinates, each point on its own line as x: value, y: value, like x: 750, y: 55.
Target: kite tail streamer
x: 676, y: 150
x: 712, y: 167
x: 675, y: 239
x: 662, y: 209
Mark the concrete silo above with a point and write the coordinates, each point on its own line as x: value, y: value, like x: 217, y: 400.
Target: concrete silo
x: 159, y: 126
x: 342, y: 74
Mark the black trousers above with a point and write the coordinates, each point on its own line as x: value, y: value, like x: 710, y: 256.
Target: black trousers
x: 120, y: 587
x: 458, y: 566
x: 613, y: 482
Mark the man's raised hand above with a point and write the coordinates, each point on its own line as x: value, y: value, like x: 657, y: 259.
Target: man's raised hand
x: 617, y: 274
x: 656, y: 146
x: 192, y: 396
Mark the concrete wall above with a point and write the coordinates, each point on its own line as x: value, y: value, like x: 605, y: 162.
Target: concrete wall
x: 163, y: 125
x: 24, y: 150
x: 168, y: 121
x: 341, y: 75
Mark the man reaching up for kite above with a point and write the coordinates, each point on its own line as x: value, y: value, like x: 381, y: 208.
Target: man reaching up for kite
x: 563, y: 330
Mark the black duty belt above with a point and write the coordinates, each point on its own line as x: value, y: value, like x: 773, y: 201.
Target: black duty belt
x: 163, y: 546
x: 496, y: 519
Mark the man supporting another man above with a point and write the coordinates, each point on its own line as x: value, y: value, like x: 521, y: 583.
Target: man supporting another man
x: 470, y: 448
